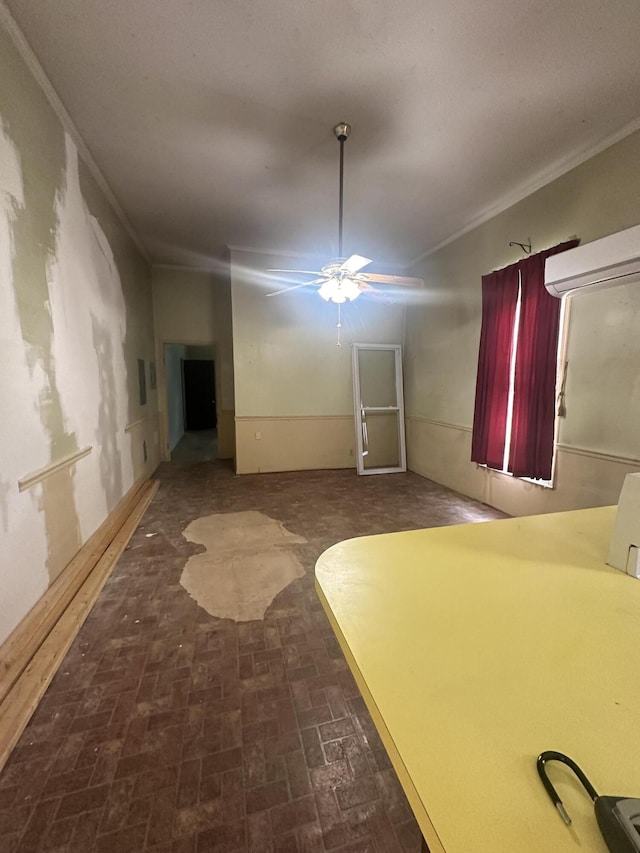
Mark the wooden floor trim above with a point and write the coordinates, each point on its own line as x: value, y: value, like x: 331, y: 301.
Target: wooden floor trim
x: 18, y: 649
x: 35, y: 650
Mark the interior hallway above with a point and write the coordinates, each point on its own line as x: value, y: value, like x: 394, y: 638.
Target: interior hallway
x: 196, y: 446
x: 169, y: 730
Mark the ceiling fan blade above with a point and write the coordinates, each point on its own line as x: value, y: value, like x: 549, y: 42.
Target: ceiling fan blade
x: 370, y: 290
x: 355, y: 263
x: 296, y: 287
x: 299, y: 272
x: 400, y: 280
x: 287, y: 289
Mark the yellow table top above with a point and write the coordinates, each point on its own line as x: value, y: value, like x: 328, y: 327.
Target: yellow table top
x: 478, y: 646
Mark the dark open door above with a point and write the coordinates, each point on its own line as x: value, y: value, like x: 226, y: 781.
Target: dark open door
x: 199, y: 394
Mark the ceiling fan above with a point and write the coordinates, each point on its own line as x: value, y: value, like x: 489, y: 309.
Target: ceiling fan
x: 342, y: 279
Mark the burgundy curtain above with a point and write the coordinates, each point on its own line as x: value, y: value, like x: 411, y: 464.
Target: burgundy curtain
x: 499, y: 299
x: 534, y: 392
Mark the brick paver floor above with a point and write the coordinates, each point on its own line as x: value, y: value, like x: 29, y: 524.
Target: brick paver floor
x: 170, y: 731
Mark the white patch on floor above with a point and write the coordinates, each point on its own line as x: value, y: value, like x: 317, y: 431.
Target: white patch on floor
x: 247, y: 563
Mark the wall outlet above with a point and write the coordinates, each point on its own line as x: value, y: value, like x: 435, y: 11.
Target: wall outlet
x: 351, y: 451
x: 258, y: 436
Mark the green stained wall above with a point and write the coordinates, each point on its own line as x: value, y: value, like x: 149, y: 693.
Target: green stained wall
x: 76, y: 315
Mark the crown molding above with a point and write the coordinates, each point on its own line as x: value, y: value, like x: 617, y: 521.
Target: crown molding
x: 18, y: 38
x: 252, y: 250
x: 528, y: 188
x: 189, y: 267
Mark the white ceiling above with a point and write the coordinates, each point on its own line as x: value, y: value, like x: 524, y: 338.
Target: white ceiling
x: 212, y: 119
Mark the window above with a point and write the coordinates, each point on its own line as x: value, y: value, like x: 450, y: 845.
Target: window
x: 514, y: 417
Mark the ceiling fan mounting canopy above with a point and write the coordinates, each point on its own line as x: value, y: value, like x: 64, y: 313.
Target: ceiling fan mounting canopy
x: 342, y: 131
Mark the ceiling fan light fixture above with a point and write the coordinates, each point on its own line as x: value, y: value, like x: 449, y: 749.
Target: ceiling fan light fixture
x: 350, y: 288
x: 339, y: 290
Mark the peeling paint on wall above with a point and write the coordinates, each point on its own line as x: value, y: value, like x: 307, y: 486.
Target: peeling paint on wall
x: 33, y: 297
x: 22, y: 524
x: 38, y: 136
x: 65, y: 335
x: 130, y: 269
x: 89, y: 321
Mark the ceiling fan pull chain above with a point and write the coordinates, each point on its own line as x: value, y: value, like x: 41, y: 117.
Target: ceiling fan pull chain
x: 339, y: 327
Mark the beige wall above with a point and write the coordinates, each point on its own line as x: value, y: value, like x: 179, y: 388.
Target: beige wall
x: 193, y: 307
x: 293, y: 384
x: 75, y: 318
x: 294, y: 443
x: 599, y: 436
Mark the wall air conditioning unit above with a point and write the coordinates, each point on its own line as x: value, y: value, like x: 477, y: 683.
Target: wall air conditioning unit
x: 602, y: 263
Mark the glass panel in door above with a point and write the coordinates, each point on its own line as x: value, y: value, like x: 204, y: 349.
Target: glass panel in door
x: 378, y: 377
x: 383, y: 443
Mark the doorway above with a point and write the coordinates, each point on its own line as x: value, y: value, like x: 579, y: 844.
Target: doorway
x: 199, y: 385
x: 191, y: 402
x: 379, y: 408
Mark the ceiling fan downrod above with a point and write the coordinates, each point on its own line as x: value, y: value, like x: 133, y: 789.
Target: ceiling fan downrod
x: 341, y: 131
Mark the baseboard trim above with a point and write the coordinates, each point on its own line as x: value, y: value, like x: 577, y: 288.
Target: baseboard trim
x: 32, y: 654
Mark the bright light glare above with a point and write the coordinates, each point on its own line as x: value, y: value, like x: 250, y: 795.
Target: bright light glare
x: 335, y: 290
x: 350, y: 289
x: 327, y: 290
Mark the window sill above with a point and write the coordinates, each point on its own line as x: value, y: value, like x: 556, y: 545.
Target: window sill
x: 542, y: 484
